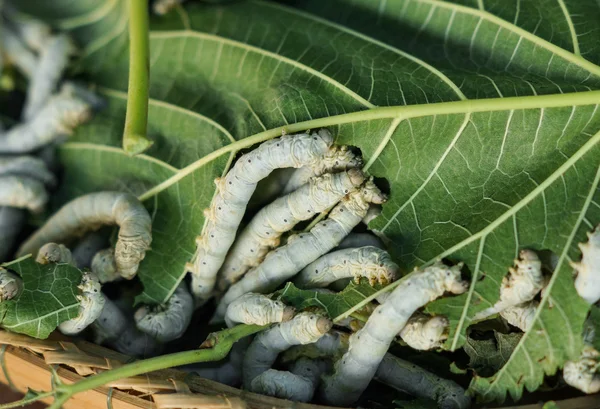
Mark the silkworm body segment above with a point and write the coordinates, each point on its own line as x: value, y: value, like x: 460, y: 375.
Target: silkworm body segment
x: 258, y: 309
x: 91, y: 304
x: 11, y: 285
x: 587, y: 282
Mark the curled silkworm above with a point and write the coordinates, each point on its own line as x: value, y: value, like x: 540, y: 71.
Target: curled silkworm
x: 361, y: 240
x: 582, y: 374
x: 587, y: 282
x: 116, y: 328
x: 11, y: 285
x: 85, y: 250
x: 521, y: 316
x: 104, y: 266
x: 304, y: 328
x: 409, y: 378
x: 53, y: 60
x: 54, y: 253
x: 91, y: 304
x: 28, y: 166
x: 368, y: 346
x: 301, y: 250
x: 263, y: 232
x: 59, y: 116
x: 91, y: 211
x: 257, y: 309
x: 167, y: 322
x: 17, y: 52
x: 369, y: 262
x: 235, y: 190
x: 337, y: 158
x: 521, y: 284
x: 283, y: 385
x: 423, y: 332
x: 11, y: 221
x: 23, y: 192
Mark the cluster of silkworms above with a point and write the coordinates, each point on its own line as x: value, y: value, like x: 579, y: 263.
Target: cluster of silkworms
x: 52, y: 110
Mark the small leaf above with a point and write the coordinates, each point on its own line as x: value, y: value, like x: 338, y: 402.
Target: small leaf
x: 489, y: 355
x: 48, y: 298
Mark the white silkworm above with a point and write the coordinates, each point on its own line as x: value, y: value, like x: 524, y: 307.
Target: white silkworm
x: 587, y: 282
x: 235, y: 190
x: 582, y: 374
x: 104, y: 266
x: 301, y: 250
x: 520, y: 285
x: 23, y: 192
x: 283, y: 385
x: 337, y: 158
x: 361, y: 240
x: 11, y: 221
x: 61, y: 114
x: 521, y: 316
x: 167, y: 322
x: 56, y: 254
x: 28, y: 166
x: 409, y: 378
x: 262, y: 234
x: 85, y: 250
x: 423, y: 332
x: 91, y: 304
x: 304, y: 328
x: 17, y: 52
x: 11, y: 285
x: 258, y: 309
x: 371, y: 263
x: 54, y: 57
x: 91, y: 211
x: 368, y: 346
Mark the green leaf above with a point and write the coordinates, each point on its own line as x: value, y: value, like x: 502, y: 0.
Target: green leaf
x: 48, y: 298
x: 422, y: 87
x: 486, y: 356
x: 335, y: 304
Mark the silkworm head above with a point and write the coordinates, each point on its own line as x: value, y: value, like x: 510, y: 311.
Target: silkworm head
x: 324, y: 325
x: 326, y: 136
x: 453, y: 282
x: 371, y: 193
x: 357, y: 177
x: 141, y: 313
x: 288, y: 313
x: 11, y: 285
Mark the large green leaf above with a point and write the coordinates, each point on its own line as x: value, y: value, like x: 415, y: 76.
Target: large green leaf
x: 420, y: 87
x: 48, y: 298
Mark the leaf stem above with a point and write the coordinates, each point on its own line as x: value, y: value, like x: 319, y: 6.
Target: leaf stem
x: 134, y: 134
x: 26, y: 400
x: 223, y: 341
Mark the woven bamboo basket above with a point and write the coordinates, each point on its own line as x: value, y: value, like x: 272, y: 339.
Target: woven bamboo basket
x: 26, y: 362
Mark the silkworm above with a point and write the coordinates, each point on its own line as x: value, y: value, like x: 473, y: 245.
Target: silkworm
x: 91, y: 304
x: 11, y: 221
x: 409, y: 378
x: 336, y: 159
x: 116, y: 329
x: 521, y: 284
x: 17, y: 52
x: 28, y: 166
x: 371, y: 263
x: 235, y: 190
x: 85, y: 250
x: 167, y: 322
x: 56, y: 254
x: 423, y: 332
x: 301, y: 250
x: 11, y: 285
x: 91, y: 211
x: 582, y: 374
x: 23, y: 192
x: 368, y: 346
x: 262, y: 233
x: 53, y: 59
x: 61, y: 114
x: 521, y: 316
x: 105, y: 266
x: 258, y: 309
x: 587, y: 282
x: 360, y: 240
x: 330, y: 346
x: 304, y: 328
x: 32, y: 31
x: 283, y: 385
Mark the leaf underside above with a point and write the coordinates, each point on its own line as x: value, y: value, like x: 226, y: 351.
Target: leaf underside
x: 420, y: 86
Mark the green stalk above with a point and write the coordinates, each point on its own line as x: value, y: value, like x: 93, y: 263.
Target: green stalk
x: 223, y: 341
x: 134, y: 135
